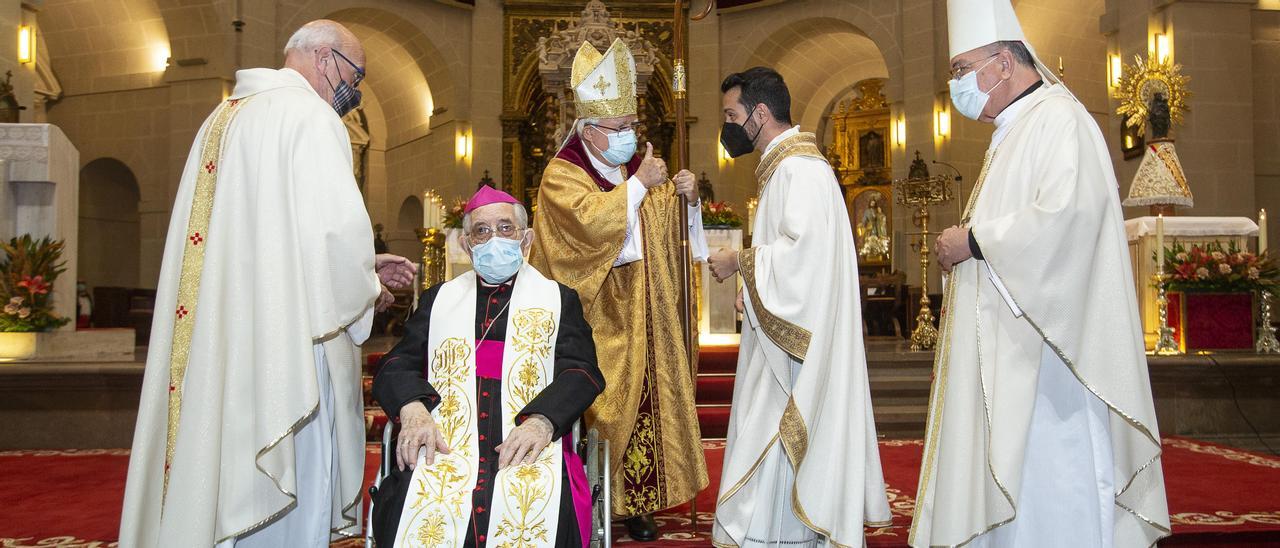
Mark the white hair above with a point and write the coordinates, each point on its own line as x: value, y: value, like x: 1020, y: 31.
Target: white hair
x: 582, y: 124
x: 522, y: 219
x: 314, y: 36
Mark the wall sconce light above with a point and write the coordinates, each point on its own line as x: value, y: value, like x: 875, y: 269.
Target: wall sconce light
x: 160, y: 57
x: 1128, y: 141
x: 1115, y: 70
x: 942, y: 121
x: 1162, y: 49
x: 900, y: 131
x: 463, y: 148
x: 26, y: 44
x: 723, y: 155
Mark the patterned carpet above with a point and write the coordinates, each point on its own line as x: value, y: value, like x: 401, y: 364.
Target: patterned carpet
x: 1218, y: 496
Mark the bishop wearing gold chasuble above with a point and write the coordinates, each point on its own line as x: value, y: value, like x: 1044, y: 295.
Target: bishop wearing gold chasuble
x: 607, y: 222
x: 801, y: 464
x: 1042, y: 430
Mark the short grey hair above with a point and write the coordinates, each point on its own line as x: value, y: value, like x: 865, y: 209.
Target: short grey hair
x: 582, y: 124
x: 1021, y: 54
x: 311, y: 37
x: 522, y: 219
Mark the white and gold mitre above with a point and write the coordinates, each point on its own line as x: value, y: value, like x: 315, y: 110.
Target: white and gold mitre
x: 1160, y: 180
x: 972, y: 24
x: 604, y: 86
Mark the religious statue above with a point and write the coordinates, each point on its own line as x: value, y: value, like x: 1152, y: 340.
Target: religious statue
x: 706, y: 194
x: 873, y: 231
x: 1155, y: 99
x: 9, y: 107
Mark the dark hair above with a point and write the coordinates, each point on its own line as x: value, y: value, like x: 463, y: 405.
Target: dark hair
x: 761, y: 85
x: 1017, y: 49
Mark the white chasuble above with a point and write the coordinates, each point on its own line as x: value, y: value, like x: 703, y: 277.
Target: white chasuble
x: 267, y: 283
x: 801, y: 392
x: 1040, y: 369
x: 525, y: 507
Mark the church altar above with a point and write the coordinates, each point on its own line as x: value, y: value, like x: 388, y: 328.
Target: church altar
x: 1141, y: 233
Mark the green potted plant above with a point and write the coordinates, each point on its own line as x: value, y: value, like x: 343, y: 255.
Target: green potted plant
x: 1213, y: 291
x: 27, y: 273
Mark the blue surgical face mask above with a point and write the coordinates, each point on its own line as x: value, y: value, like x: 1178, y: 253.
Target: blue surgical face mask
x: 497, y: 260
x: 622, y: 146
x: 968, y: 98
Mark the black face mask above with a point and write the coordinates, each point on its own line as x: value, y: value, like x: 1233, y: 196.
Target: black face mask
x: 735, y: 139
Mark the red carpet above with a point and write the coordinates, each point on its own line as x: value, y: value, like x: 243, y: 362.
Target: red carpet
x: 1218, y: 496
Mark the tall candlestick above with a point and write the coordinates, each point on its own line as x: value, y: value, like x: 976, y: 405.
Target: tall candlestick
x: 1262, y: 231
x: 1160, y: 243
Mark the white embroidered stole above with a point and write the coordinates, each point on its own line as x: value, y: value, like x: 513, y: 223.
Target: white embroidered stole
x: 525, y: 507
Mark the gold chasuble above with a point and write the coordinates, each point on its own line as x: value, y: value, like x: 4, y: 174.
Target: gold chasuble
x: 647, y: 408
x: 646, y: 411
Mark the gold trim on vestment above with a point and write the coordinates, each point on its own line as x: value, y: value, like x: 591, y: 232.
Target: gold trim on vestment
x: 1175, y: 169
x: 800, y: 144
x: 750, y: 472
x: 937, y: 397
x: 192, y: 266
x: 788, y: 336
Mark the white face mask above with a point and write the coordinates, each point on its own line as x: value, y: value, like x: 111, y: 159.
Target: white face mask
x: 968, y: 98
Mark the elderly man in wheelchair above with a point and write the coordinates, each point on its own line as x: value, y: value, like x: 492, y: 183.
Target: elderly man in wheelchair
x: 494, y: 370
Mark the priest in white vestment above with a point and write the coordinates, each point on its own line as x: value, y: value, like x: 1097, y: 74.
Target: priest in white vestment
x: 1042, y: 430
x: 250, y: 430
x: 801, y: 465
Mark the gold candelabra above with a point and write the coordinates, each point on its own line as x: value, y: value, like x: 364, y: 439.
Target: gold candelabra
x: 1267, y: 343
x: 1165, y: 344
x: 921, y: 191
x: 433, y: 256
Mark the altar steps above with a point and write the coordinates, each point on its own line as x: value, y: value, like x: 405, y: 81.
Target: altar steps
x: 900, y: 382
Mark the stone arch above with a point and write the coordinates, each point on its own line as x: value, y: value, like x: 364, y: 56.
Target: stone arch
x: 410, y: 215
x: 414, y: 79
x: 760, y: 33
x: 110, y: 229
x: 99, y: 46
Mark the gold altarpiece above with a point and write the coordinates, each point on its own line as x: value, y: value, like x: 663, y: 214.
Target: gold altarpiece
x: 860, y: 153
x: 540, y: 40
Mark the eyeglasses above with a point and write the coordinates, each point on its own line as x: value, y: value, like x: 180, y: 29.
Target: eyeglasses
x: 359, y: 72
x: 632, y: 126
x: 482, y: 233
x: 959, y: 71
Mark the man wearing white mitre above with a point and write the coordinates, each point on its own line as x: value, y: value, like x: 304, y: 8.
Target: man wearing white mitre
x: 1042, y: 431
x: 250, y: 430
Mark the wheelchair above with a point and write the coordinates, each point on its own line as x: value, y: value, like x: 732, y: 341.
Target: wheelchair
x: 595, y: 453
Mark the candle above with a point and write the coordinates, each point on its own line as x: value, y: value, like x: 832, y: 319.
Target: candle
x: 1160, y: 243
x: 1262, y: 231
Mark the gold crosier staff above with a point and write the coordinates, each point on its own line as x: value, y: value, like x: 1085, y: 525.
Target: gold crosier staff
x: 687, y: 320
x: 678, y: 77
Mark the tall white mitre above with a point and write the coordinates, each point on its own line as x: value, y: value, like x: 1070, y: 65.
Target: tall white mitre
x: 604, y: 86
x: 972, y: 24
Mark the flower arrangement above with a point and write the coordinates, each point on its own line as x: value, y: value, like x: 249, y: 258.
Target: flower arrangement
x: 720, y: 214
x: 1213, y: 267
x: 27, y: 273
x: 453, y: 219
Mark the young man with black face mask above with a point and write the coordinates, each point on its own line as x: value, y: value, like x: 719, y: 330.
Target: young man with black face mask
x: 802, y: 404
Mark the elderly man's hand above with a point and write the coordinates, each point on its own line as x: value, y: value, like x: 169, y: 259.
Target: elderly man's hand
x: 687, y: 186
x: 953, y: 247
x: 740, y: 305
x: 526, y: 442
x: 385, y: 299
x: 652, y: 171
x: 724, y: 263
x: 418, y: 429
x: 394, y: 271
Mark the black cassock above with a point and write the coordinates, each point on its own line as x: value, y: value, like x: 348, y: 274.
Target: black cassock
x: 402, y: 379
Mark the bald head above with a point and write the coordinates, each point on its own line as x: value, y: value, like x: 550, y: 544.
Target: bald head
x: 325, y: 53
